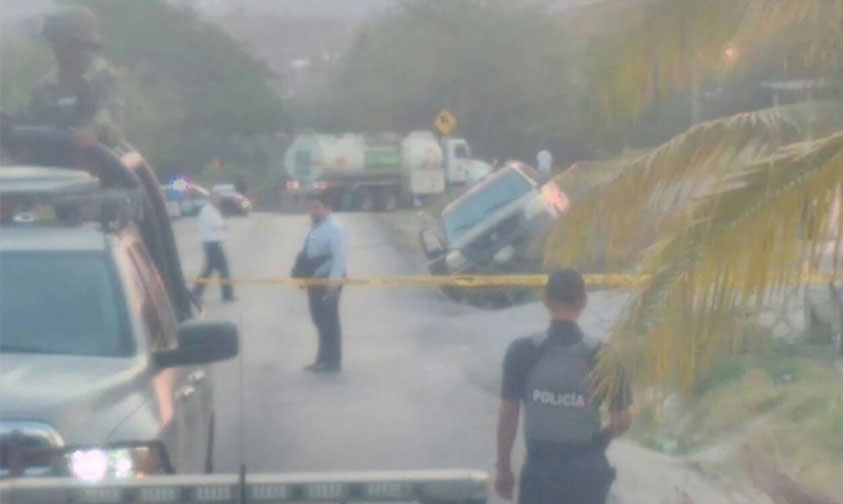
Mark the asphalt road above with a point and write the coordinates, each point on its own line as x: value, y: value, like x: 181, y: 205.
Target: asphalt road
x: 419, y: 376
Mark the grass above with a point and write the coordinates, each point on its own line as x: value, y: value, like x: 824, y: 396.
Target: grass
x: 787, y: 401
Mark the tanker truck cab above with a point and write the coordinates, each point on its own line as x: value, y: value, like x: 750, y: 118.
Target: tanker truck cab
x: 460, y: 167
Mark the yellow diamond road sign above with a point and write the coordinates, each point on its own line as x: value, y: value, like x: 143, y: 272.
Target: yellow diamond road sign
x: 445, y: 122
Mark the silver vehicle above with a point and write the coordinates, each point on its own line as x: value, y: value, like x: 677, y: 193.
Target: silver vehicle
x: 496, y: 226
x: 99, y: 378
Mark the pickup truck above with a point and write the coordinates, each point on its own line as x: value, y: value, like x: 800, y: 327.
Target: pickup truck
x: 103, y: 368
x: 496, y: 227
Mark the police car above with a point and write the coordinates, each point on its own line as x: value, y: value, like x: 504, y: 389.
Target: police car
x: 185, y: 199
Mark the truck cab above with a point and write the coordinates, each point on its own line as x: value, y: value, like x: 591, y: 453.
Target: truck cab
x: 460, y: 167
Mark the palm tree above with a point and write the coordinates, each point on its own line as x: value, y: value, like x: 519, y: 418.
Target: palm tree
x: 657, y: 183
x: 734, y: 205
x: 725, y: 215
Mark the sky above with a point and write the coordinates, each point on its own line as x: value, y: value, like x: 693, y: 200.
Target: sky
x: 349, y: 9
x: 12, y: 9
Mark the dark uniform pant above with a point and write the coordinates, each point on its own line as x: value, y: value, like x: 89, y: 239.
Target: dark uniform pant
x: 214, y: 261
x: 566, y: 478
x: 325, y: 313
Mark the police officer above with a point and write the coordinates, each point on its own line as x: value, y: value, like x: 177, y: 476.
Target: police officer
x: 324, y: 256
x: 81, y: 92
x: 549, y: 375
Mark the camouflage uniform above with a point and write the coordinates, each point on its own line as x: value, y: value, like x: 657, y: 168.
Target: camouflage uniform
x: 90, y: 101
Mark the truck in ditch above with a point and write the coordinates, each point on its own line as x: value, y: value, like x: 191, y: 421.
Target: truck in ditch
x: 497, y: 226
x: 380, y: 171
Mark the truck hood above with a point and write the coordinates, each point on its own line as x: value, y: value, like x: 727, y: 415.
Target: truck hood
x: 83, y: 398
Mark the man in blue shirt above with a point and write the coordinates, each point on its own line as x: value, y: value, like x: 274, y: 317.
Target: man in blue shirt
x: 325, y: 251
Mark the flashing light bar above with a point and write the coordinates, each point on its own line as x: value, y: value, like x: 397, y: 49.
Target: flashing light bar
x: 452, y: 486
x: 179, y: 184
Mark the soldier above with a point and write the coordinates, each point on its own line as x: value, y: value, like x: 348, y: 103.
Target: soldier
x: 81, y: 92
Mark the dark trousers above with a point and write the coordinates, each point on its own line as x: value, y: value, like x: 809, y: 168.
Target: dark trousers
x: 325, y: 312
x: 214, y: 261
x: 572, y: 478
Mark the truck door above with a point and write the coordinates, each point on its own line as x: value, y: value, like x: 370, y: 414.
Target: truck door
x: 458, y: 159
x: 183, y: 398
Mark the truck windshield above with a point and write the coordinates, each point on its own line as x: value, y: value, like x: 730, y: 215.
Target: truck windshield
x: 482, y: 202
x: 61, y: 303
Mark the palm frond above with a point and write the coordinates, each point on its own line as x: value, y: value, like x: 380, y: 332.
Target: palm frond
x: 624, y: 202
x: 747, y: 239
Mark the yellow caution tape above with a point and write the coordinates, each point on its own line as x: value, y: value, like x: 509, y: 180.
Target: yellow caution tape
x: 462, y: 281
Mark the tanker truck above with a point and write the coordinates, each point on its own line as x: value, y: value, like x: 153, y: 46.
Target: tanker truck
x: 379, y: 171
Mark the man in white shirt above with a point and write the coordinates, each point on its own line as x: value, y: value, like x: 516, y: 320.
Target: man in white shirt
x: 212, y: 231
x: 544, y: 164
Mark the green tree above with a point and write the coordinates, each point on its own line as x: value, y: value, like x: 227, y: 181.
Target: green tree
x: 721, y: 218
x: 21, y: 65
x: 188, y: 87
x: 504, y: 69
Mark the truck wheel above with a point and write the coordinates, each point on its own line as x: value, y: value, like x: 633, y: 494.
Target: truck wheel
x: 388, y: 199
x: 366, y: 200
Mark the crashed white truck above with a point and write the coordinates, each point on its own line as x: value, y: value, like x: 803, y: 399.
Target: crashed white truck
x: 381, y: 171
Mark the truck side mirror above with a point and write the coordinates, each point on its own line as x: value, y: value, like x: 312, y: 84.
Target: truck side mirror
x: 431, y: 243
x: 201, y: 342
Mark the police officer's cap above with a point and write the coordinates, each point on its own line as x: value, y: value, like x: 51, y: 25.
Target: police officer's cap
x: 73, y: 25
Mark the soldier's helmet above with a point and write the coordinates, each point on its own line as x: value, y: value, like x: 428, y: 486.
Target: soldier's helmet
x: 73, y: 26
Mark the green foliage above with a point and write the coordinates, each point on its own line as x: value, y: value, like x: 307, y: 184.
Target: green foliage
x: 505, y: 70
x: 253, y: 160
x: 749, y: 402
x: 21, y: 65
x: 682, y: 44
x: 223, y: 89
x: 741, y: 241
x: 716, y: 216
x: 636, y: 195
x: 726, y: 369
x: 189, y: 89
